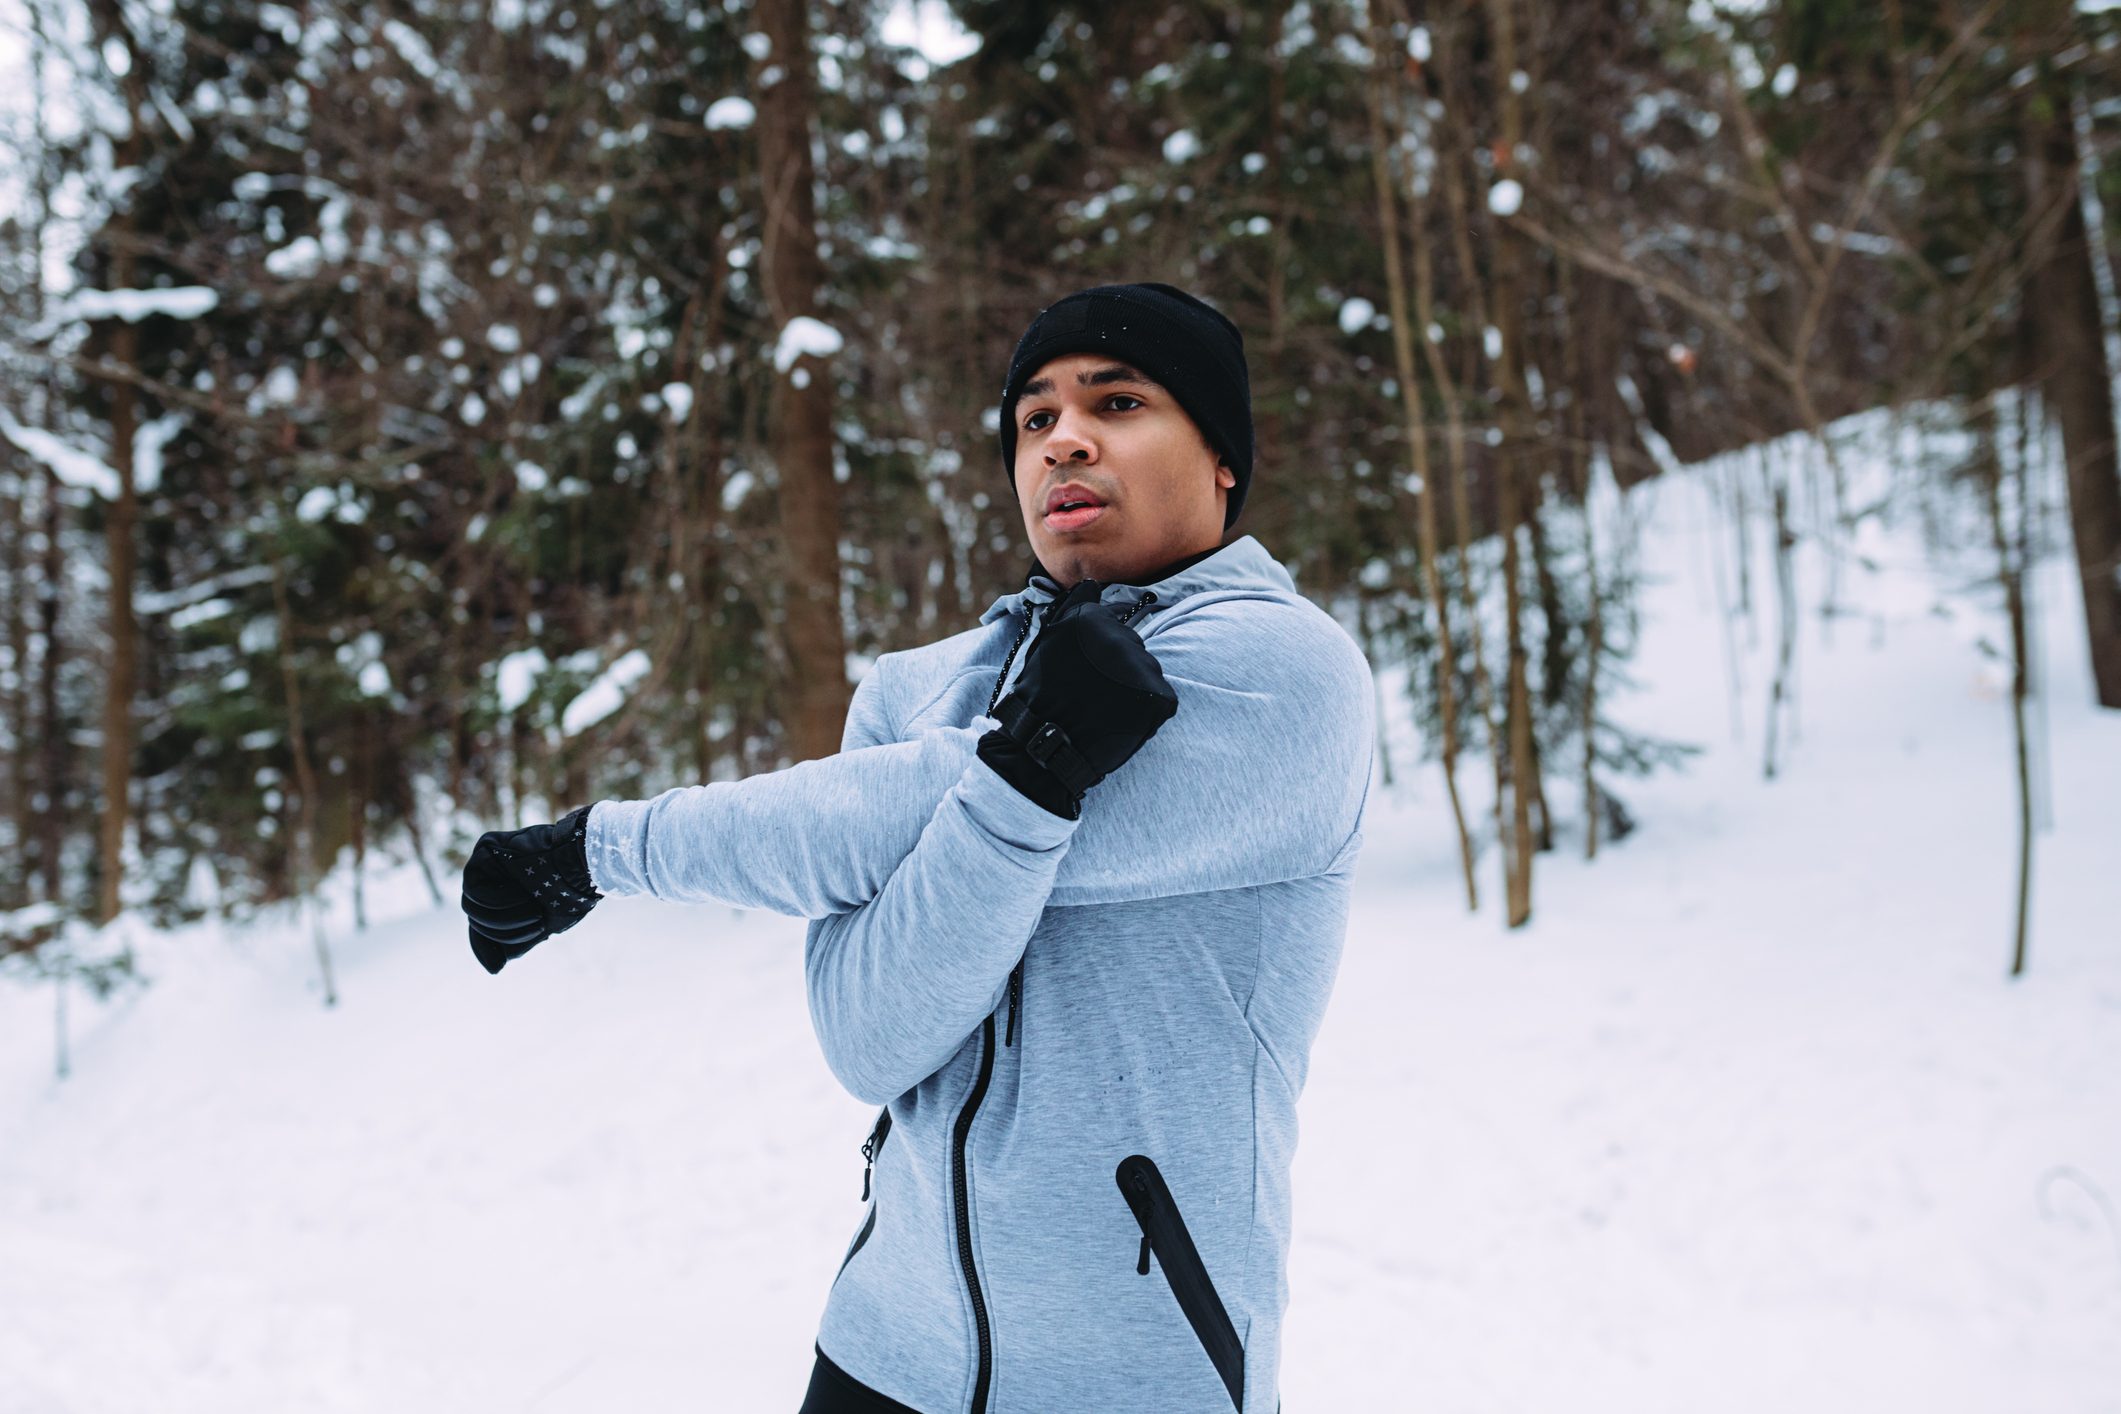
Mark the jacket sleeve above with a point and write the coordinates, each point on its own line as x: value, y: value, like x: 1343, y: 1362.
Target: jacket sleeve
x: 822, y: 836
x: 1261, y: 776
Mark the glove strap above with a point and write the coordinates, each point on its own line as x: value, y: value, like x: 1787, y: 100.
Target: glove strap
x: 1045, y: 743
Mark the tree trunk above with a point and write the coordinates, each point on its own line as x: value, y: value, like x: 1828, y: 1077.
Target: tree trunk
x: 1511, y: 476
x: 1786, y: 608
x: 1445, y: 673
x: 118, y: 685
x: 801, y: 438
x: 301, y: 854
x: 2010, y: 569
x: 2062, y: 303
x: 124, y: 422
x: 52, y: 819
x: 22, y: 820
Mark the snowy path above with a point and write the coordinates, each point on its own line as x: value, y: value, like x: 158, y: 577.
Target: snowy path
x: 1749, y: 1120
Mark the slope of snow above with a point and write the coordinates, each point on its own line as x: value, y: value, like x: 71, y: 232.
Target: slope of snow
x: 1749, y: 1119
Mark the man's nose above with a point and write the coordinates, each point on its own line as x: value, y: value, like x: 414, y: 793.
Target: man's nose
x: 1069, y: 439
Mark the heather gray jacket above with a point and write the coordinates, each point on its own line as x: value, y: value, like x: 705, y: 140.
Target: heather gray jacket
x: 1089, y: 1035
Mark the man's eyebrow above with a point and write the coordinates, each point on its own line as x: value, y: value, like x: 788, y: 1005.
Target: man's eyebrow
x: 1095, y: 378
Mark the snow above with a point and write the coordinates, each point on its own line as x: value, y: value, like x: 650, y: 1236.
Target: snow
x: 805, y: 335
x: 203, y: 612
x: 736, y: 488
x: 516, y: 675
x: 1505, y: 197
x: 132, y: 306
x: 1356, y: 314
x: 299, y: 259
x: 1748, y: 1119
x: 316, y: 503
x: 74, y: 467
x: 929, y: 27
x: 149, y: 440
x: 413, y: 48
x: 530, y: 476
x: 678, y: 398
x: 281, y: 386
x: 604, y: 696
x: 731, y: 112
x: 1182, y: 146
x: 1785, y: 82
x: 504, y: 338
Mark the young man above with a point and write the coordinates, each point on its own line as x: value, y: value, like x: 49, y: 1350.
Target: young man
x: 1086, y: 1014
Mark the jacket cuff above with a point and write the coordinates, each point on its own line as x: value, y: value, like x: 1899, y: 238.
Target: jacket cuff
x: 1004, y: 810
x: 616, y: 828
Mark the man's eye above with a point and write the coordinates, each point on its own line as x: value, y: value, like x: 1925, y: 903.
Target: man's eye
x: 1032, y: 423
x: 1129, y: 397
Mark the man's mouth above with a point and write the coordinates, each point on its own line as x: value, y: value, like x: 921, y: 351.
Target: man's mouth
x: 1072, y: 515
x: 1072, y: 504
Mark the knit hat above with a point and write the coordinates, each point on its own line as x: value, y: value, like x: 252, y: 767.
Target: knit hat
x: 1176, y: 339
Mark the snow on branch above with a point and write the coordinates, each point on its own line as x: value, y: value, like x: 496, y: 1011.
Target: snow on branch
x: 132, y: 306
x: 71, y: 465
x: 604, y: 696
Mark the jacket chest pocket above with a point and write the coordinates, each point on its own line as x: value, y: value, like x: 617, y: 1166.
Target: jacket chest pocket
x: 1164, y: 1234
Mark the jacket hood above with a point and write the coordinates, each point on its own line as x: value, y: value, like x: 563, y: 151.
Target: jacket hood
x: 1242, y: 565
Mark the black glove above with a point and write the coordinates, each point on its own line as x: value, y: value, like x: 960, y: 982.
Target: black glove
x: 1089, y: 695
x: 523, y: 886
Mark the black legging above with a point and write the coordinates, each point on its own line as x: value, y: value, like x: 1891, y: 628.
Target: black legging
x: 834, y: 1391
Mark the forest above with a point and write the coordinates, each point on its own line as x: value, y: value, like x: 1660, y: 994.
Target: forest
x: 422, y: 417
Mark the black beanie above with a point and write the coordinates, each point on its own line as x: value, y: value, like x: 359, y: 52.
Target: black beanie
x: 1178, y: 340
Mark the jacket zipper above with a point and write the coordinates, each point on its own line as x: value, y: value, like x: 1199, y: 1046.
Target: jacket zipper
x: 964, y: 1216
x: 984, y: 1377
x: 1164, y: 1231
x: 1016, y: 1000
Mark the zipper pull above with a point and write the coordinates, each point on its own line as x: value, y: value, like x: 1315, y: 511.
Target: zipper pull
x: 1142, y: 1267
x: 1016, y: 1000
x: 870, y: 1146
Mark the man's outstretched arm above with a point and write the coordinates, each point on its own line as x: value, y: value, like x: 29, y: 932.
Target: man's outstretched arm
x: 823, y: 837
x: 818, y: 838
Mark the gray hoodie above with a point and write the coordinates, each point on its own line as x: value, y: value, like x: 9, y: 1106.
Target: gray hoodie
x: 1088, y: 1035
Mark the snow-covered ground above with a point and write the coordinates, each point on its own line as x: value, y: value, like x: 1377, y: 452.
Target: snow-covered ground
x: 1750, y: 1119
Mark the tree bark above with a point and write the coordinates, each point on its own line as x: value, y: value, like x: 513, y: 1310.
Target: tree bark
x: 51, y: 847
x: 2010, y: 570
x: 301, y: 853
x: 1511, y: 478
x: 800, y: 438
x: 118, y: 685
x: 1384, y: 172
x: 2062, y: 304
x: 124, y: 423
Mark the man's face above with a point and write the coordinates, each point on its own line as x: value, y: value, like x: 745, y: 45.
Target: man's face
x: 1122, y: 441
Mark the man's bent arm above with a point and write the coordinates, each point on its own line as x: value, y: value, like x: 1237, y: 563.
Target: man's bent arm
x: 897, y: 985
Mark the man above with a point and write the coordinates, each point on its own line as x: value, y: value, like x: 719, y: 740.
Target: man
x: 1087, y: 1014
